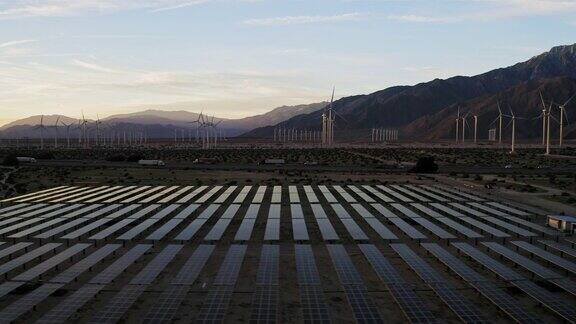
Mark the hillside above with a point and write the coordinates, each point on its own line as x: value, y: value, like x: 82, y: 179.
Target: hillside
x: 398, y: 107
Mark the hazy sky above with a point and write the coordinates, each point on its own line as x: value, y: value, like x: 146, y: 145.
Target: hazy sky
x: 236, y: 58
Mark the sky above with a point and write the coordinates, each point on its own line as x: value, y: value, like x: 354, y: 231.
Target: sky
x: 236, y: 58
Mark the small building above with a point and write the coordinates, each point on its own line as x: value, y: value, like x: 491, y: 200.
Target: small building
x: 563, y: 223
x: 26, y: 159
x: 151, y: 163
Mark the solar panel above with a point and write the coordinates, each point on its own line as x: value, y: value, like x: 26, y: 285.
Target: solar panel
x: 117, y: 198
x: 242, y: 195
x: 71, y: 304
x: 120, y: 264
x: 522, y: 261
x: 447, y: 221
x: 508, y: 208
x: 191, y: 195
x: 349, y: 223
x: 174, y: 195
x: 362, y: 306
x: 103, y: 194
x: 312, y: 198
x: 259, y: 196
x: 205, y: 197
x: 563, y: 249
x: 85, y: 264
x: 306, y: 265
x: 377, y: 193
x: 84, y: 294
x: 159, y: 233
x: 221, y: 225
x: 265, y: 298
x: 498, y: 268
x: 9, y: 286
x: 463, y: 194
x: 300, y: 232
x: 76, y: 222
x: 191, y: 269
x: 216, y: 303
x: 39, y: 211
x: 123, y: 223
x: 393, y: 193
x: 408, y: 229
x: 410, y: 193
x: 225, y: 195
x: 545, y: 255
x: 52, y: 222
x: 276, y: 195
x: 326, y: 229
x: 51, y: 263
x: 426, y: 193
x: 13, y: 207
x: 114, y: 310
x: 347, y: 197
x: 9, y: 250
x: 293, y: 193
x: 31, y: 221
x: 361, y: 194
x: 136, y: 198
x: 547, y: 299
x: 127, y: 296
x: 327, y: 194
x: 189, y: 232
x: 23, y: 305
x: 413, y: 306
x: 51, y: 195
x: 464, y: 309
x: 34, y: 193
x: 433, y: 228
x: 19, y: 211
x: 138, y: 229
x: 313, y: 305
x: 167, y: 304
x: 23, y: 259
x: 245, y: 230
x: 94, y: 225
x: 147, y: 275
x: 96, y: 190
x: 272, y: 232
x: 158, y: 194
x: 482, y: 226
x: 267, y: 273
x: 30, y: 300
x: 441, y: 192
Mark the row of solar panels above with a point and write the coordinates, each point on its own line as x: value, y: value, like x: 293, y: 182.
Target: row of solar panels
x: 265, y: 300
x: 131, y: 221
x: 293, y: 194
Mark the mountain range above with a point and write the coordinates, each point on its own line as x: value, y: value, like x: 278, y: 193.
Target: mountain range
x: 424, y: 112
x: 161, y: 123
x: 427, y: 111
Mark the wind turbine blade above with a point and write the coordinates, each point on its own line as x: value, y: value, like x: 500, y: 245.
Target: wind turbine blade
x: 542, y: 98
x: 570, y: 99
x: 499, y: 110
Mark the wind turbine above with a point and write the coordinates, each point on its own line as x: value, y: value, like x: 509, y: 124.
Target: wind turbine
x: 55, y: 126
x: 464, y: 121
x: 475, y: 128
x: 41, y: 127
x: 457, y: 125
x: 562, y: 114
x: 67, y: 132
x: 499, y: 123
x: 543, y: 116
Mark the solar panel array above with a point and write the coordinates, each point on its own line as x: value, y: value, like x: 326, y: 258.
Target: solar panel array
x: 179, y: 251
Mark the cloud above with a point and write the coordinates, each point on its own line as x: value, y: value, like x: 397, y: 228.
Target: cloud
x: 420, y: 19
x: 16, y: 42
x: 490, y: 10
x: 93, y: 66
x: 181, y: 5
x: 298, y: 20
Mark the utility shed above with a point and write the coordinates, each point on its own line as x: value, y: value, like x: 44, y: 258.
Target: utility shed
x: 563, y: 223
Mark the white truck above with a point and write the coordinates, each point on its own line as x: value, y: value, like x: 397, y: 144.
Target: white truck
x: 26, y: 159
x: 151, y: 163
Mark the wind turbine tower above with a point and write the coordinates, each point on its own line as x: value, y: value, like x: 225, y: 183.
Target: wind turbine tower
x: 475, y: 128
x: 457, y: 124
x: 562, y: 114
